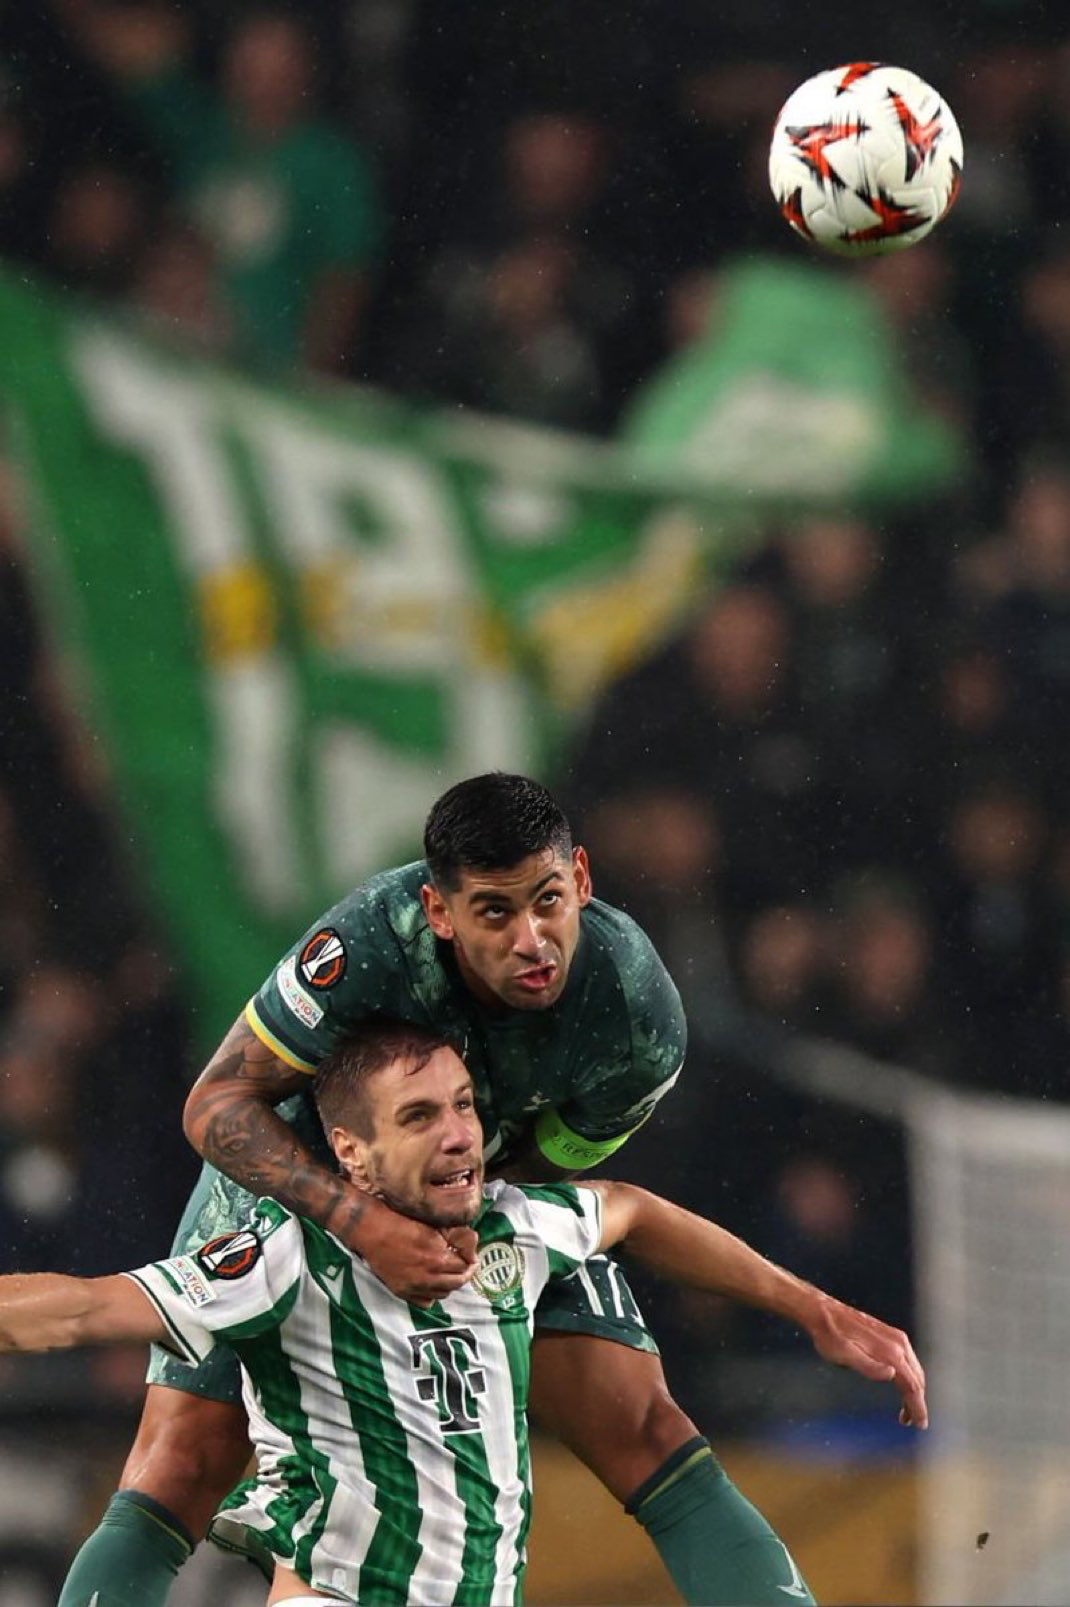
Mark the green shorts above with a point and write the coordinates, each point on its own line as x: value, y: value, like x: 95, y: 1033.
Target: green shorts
x: 595, y: 1299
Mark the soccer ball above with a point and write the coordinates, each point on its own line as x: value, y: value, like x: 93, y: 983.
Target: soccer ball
x: 865, y: 158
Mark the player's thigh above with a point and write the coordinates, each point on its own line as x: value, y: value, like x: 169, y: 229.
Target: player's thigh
x: 597, y: 1382
x: 306, y: 1600
x: 288, y: 1590
x: 189, y: 1451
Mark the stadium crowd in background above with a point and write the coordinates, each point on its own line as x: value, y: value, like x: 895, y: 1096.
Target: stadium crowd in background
x: 526, y: 213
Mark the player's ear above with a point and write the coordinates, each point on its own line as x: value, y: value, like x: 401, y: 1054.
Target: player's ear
x: 581, y: 870
x: 437, y: 912
x: 351, y: 1153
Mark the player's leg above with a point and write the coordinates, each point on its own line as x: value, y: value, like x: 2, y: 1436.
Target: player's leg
x: 288, y: 1590
x: 188, y: 1453
x: 598, y: 1385
x: 191, y: 1447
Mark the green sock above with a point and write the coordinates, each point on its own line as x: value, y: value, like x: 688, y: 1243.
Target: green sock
x: 131, y: 1558
x: 718, y: 1549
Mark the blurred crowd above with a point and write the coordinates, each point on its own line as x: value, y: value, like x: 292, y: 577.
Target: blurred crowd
x: 837, y: 799
x: 92, y: 1029
x: 512, y: 208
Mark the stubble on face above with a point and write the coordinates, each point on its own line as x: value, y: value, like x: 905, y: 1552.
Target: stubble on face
x: 423, y: 1201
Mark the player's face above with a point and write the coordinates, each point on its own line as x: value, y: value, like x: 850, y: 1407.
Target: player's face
x: 515, y: 931
x: 426, y: 1156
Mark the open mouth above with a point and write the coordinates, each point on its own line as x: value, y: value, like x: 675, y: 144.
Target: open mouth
x: 455, y: 1182
x: 538, y: 978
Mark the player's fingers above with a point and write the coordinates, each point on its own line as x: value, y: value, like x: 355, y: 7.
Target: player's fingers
x: 452, y: 1264
x: 914, y: 1411
x: 911, y: 1381
x: 463, y: 1242
x: 908, y: 1379
x: 895, y: 1350
x: 877, y: 1368
x: 444, y: 1275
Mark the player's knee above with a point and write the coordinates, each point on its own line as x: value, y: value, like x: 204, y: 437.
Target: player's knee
x: 649, y: 1420
x: 663, y: 1426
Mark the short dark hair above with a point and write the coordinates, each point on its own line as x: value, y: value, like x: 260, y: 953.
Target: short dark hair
x: 492, y: 822
x: 340, y: 1088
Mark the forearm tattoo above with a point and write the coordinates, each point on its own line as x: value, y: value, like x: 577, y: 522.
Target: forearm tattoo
x: 230, y: 1120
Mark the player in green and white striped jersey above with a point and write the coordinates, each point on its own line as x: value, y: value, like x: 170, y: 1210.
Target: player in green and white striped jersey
x: 391, y: 1438
x: 391, y: 1441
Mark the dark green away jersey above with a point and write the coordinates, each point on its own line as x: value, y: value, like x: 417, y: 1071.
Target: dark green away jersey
x: 586, y: 1071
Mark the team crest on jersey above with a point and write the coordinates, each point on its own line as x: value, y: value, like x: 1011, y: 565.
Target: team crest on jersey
x: 232, y: 1255
x: 323, y: 959
x: 499, y: 1270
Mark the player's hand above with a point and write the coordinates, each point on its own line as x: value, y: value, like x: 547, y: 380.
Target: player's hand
x: 420, y: 1263
x: 852, y: 1338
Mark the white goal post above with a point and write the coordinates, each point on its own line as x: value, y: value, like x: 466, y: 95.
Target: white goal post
x: 990, y: 1205
x: 991, y: 1190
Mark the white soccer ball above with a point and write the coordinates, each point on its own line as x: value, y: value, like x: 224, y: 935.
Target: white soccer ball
x: 865, y: 158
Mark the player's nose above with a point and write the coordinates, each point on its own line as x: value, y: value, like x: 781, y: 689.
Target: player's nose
x: 457, y: 1134
x: 528, y: 937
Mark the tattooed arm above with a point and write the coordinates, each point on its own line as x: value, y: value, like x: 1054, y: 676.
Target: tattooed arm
x: 230, y: 1119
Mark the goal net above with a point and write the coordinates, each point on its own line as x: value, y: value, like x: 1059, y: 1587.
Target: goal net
x: 991, y: 1187
x: 990, y: 1206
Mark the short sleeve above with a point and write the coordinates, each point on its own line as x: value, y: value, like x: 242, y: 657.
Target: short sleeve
x: 237, y: 1285
x: 567, y: 1220
x: 620, y: 1090
x: 336, y: 975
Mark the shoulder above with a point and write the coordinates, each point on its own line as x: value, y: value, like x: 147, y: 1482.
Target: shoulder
x: 620, y: 941
x: 391, y: 898
x: 562, y: 1221
x: 380, y: 916
x: 372, y: 951
x: 620, y: 946
x: 272, y: 1236
x: 525, y: 1203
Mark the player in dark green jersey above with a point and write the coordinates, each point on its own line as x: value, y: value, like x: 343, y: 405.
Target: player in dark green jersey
x: 572, y: 1030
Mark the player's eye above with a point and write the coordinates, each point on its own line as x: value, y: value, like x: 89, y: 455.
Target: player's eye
x: 550, y: 897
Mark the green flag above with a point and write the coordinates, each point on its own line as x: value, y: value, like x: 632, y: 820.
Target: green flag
x: 796, y: 391
x: 298, y: 615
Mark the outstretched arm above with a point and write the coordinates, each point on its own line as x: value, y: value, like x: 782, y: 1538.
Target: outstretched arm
x: 47, y: 1311
x: 690, y: 1250
x: 230, y: 1119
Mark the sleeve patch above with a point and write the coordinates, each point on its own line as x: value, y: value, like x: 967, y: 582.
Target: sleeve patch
x: 307, y: 1011
x: 231, y: 1255
x: 322, y: 961
x: 185, y: 1273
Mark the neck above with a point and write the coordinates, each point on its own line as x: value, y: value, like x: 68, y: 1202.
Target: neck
x: 475, y: 984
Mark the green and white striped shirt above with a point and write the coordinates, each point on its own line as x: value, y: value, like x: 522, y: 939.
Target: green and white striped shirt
x: 391, y: 1440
